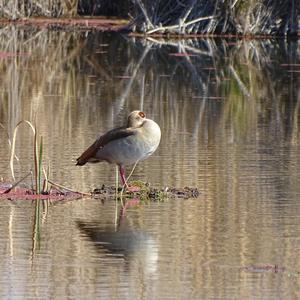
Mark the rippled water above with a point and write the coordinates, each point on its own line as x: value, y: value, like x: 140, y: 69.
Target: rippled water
x: 229, y: 114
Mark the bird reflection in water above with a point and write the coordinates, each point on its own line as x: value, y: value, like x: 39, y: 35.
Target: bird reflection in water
x: 123, y: 243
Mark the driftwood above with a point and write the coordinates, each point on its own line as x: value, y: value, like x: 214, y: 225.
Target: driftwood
x: 217, y: 17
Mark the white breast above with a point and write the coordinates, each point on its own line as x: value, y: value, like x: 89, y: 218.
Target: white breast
x: 133, y: 148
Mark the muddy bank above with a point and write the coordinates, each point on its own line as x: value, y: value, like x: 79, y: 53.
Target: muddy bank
x: 84, y: 23
x: 23, y: 193
x: 103, y: 23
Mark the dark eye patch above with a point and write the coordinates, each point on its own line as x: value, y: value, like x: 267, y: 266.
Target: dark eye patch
x: 142, y: 115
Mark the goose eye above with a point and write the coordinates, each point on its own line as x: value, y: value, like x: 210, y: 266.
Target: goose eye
x: 142, y: 115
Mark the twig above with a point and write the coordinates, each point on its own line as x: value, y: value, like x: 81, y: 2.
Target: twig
x: 125, y: 184
x: 67, y: 189
x: 46, y: 175
x: 188, y: 11
x: 15, y: 184
x: 141, y: 5
x: 233, y: 4
x: 132, y: 170
x: 116, y: 195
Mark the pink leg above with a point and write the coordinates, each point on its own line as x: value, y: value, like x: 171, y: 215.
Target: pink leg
x: 122, y: 174
x: 124, y: 182
x: 131, y: 202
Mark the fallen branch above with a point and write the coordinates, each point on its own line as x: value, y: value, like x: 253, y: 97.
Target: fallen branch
x: 174, y: 28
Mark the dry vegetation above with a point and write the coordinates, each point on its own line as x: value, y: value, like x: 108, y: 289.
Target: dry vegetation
x: 187, y: 17
x: 264, y: 17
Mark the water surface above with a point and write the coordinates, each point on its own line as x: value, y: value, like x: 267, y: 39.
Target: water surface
x: 229, y: 114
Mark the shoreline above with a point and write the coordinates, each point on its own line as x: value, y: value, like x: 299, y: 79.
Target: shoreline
x: 115, y: 24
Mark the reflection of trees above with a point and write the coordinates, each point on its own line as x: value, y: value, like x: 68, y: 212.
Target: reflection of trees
x: 249, y: 74
x: 241, y: 150
x: 82, y: 69
x: 85, y: 83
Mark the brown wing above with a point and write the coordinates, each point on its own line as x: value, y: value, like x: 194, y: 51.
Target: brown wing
x: 111, y: 135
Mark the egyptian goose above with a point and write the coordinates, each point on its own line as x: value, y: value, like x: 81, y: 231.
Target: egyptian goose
x: 125, y: 145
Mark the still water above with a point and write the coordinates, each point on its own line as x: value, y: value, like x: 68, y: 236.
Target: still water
x: 229, y: 114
